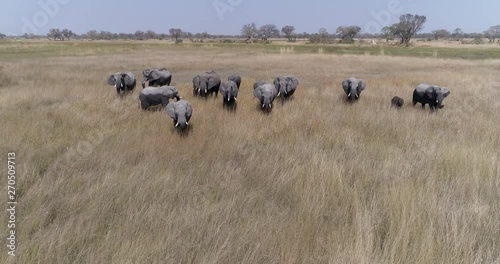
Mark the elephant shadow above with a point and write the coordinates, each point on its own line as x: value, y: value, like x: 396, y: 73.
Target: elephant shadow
x: 230, y: 107
x: 183, y: 133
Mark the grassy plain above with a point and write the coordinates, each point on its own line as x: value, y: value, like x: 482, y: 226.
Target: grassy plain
x: 316, y: 181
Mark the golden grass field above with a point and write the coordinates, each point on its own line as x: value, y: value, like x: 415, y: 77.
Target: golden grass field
x: 316, y: 181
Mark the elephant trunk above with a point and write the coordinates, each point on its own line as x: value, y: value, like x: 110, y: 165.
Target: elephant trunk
x: 439, y: 101
x: 353, y: 94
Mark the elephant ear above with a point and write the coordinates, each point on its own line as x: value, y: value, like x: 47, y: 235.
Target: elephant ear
x: 112, y: 79
x: 155, y: 75
x: 430, y: 92
x: 361, y: 86
x: 145, y: 73
x: 170, y: 108
x: 345, y: 85
x: 257, y: 92
x: 446, y: 92
x: 189, y: 111
x: 196, y: 81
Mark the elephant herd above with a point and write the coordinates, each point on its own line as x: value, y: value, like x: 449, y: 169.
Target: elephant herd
x: 159, y: 92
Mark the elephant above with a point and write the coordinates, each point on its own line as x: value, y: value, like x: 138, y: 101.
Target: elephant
x: 156, y: 77
x: 397, y: 102
x: 266, y: 93
x: 236, y: 79
x: 430, y: 94
x: 353, y: 88
x: 229, y: 91
x: 286, y: 86
x: 206, y: 84
x: 257, y: 84
x: 124, y: 82
x: 151, y: 96
x: 181, y: 112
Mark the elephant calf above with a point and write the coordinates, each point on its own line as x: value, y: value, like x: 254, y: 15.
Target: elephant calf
x: 206, y: 84
x: 397, y: 102
x: 286, y: 86
x: 430, y: 94
x: 181, y: 112
x: 156, y: 77
x: 124, y: 82
x: 151, y: 96
x: 353, y: 88
x: 266, y: 93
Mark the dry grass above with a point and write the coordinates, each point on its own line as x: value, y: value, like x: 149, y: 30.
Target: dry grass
x: 315, y: 181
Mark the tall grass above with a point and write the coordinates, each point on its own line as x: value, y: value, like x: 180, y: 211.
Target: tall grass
x: 316, y: 181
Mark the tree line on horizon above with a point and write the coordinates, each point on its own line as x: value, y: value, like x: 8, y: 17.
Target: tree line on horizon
x: 407, y: 28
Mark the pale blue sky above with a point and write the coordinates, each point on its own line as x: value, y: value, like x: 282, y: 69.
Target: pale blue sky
x: 20, y: 16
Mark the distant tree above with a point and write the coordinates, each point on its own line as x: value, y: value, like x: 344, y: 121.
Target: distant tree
x: 202, y: 35
x: 408, y: 26
x: 457, y: 33
x: 67, y: 33
x: 2, y: 36
x: 55, y: 33
x: 176, y: 33
x: 288, y: 31
x: 388, y: 33
x: 150, y: 34
x: 92, y: 34
x: 492, y: 33
x: 249, y: 31
x: 268, y: 31
x: 347, y: 33
x: 105, y: 35
x: 440, y: 33
x: 139, y: 35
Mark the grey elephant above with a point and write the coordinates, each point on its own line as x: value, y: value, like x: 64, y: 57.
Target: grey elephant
x: 181, y: 112
x: 397, y: 102
x: 430, y: 94
x: 156, y: 77
x: 229, y: 91
x: 353, y: 88
x: 266, y: 93
x: 236, y: 79
x: 206, y: 84
x: 286, y: 86
x: 124, y: 82
x: 258, y: 83
x: 152, y: 96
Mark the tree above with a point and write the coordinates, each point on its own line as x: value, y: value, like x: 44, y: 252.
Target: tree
x: 249, y: 31
x: 2, y: 36
x: 492, y: 33
x: 92, y: 34
x: 408, y: 26
x: 175, y: 33
x: 269, y: 31
x: 440, y: 33
x: 150, y: 34
x: 55, y: 34
x: 457, y: 33
x: 388, y: 33
x: 348, y: 33
x: 67, y: 33
x: 288, y: 31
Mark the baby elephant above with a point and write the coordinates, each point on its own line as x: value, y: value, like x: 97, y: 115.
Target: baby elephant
x: 397, y: 102
x: 181, y: 112
x: 151, y: 96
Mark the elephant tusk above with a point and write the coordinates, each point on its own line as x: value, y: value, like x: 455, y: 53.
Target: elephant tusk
x: 278, y: 94
x: 349, y: 95
x: 187, y: 124
x: 176, y: 125
x: 235, y: 99
x: 115, y: 85
x: 270, y: 106
x: 228, y: 98
x: 263, y: 105
x: 206, y: 90
x: 357, y: 95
